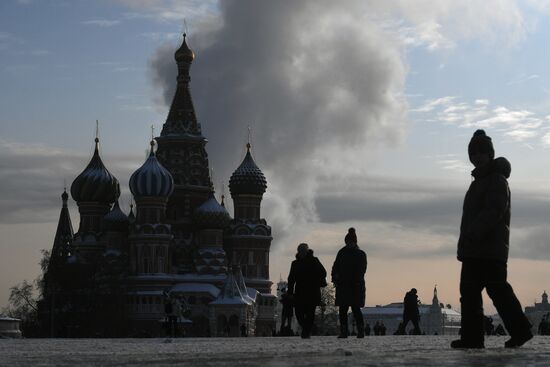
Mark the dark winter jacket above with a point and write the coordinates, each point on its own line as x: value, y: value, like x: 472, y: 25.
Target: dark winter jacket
x: 485, y: 226
x: 348, y: 275
x: 305, y: 280
x: 410, y: 306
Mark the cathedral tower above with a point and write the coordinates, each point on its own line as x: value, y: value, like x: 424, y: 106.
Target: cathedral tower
x: 181, y: 149
x: 94, y: 191
x: 249, y: 237
x: 151, y: 185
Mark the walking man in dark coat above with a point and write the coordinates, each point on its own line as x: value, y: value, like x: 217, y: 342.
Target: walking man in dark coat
x: 348, y: 276
x: 410, y: 312
x: 483, y: 249
x: 307, y: 276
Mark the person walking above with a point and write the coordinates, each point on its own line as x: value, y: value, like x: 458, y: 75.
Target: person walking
x: 483, y: 249
x: 307, y: 276
x: 410, y: 312
x: 287, y: 313
x: 348, y: 276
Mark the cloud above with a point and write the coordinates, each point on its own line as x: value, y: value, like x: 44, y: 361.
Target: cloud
x: 161, y: 36
x: 169, y: 10
x: 103, y: 23
x: 33, y: 176
x: 523, y: 78
x: 316, y: 81
x: 518, y: 124
x: 414, y: 218
x: 441, y: 25
x: 7, y: 40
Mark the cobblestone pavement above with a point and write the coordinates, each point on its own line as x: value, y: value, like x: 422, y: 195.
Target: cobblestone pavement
x: 269, y: 352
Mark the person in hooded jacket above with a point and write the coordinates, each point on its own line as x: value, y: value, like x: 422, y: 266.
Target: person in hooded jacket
x: 410, y: 312
x: 305, y: 279
x: 483, y: 249
x: 348, y: 276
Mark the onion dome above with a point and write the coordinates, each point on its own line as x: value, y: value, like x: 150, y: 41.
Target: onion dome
x: 116, y: 220
x: 247, y: 178
x: 95, y: 183
x: 151, y: 179
x: 211, y: 214
x: 184, y: 53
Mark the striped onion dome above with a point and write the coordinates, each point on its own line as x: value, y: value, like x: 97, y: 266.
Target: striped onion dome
x: 116, y: 220
x: 211, y: 214
x: 247, y: 178
x: 95, y: 183
x: 151, y: 179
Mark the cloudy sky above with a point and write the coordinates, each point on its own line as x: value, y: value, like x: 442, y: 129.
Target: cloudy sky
x: 360, y: 113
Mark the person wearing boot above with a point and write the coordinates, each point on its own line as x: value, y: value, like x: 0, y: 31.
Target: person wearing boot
x: 483, y: 249
x: 305, y: 279
x: 348, y: 276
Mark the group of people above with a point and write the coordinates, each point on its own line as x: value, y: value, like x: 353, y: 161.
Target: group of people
x: 483, y: 247
x: 307, y: 276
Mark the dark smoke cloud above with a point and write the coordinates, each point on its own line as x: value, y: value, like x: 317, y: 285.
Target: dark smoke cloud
x: 309, y: 77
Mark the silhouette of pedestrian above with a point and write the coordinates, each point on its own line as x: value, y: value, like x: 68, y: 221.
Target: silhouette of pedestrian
x: 499, y: 330
x: 382, y: 328
x: 544, y: 325
x: 483, y: 249
x: 410, y: 312
x: 288, y: 311
x: 307, y: 276
x: 400, y: 329
x: 244, y: 332
x: 367, y: 329
x: 376, y: 328
x: 489, y: 327
x: 348, y: 276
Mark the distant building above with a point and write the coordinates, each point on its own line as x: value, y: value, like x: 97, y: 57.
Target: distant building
x: 434, y: 319
x: 536, y: 312
x: 180, y: 260
x: 9, y: 327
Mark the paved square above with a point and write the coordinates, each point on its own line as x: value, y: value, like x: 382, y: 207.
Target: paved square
x: 267, y: 352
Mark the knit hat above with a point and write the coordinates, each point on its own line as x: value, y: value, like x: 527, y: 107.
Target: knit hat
x: 481, y: 143
x: 302, y: 248
x: 351, y: 237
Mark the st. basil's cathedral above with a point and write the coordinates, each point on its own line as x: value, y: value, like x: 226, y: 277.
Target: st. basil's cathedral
x: 178, y: 259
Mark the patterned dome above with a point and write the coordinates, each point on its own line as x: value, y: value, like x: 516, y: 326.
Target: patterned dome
x: 211, y: 214
x: 151, y: 179
x: 184, y: 53
x: 116, y: 220
x: 247, y: 178
x: 95, y: 183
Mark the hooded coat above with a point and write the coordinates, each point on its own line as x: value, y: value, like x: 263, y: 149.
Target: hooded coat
x: 307, y: 276
x: 348, y: 275
x: 485, y: 226
x: 410, y: 306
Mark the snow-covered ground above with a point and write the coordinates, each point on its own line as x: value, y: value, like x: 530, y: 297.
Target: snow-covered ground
x: 269, y: 352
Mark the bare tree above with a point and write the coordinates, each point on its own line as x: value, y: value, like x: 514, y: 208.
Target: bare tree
x: 22, y: 301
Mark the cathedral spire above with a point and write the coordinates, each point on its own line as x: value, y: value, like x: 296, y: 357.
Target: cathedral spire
x: 181, y: 118
x: 62, y: 244
x: 435, y: 300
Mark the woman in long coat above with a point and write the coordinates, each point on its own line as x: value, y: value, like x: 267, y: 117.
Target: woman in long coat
x: 307, y: 276
x: 348, y: 276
